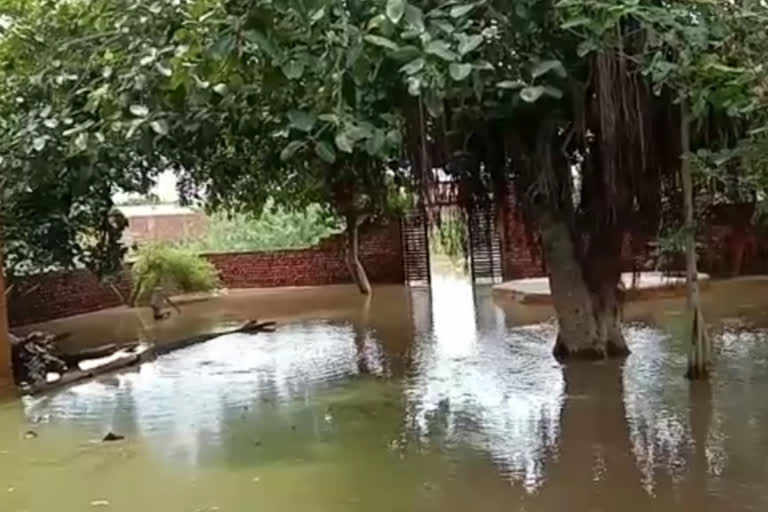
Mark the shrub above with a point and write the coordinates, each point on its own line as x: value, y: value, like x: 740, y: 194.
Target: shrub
x: 171, y: 269
x: 276, y: 228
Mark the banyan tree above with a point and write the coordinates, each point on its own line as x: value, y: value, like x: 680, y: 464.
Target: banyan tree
x: 585, y: 112
x: 588, y: 113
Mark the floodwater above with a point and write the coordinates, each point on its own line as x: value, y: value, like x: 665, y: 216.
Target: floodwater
x: 411, y: 401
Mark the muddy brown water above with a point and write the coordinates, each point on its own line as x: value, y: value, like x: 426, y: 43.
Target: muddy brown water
x: 410, y: 401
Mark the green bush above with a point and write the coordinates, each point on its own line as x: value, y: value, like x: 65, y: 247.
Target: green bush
x: 450, y: 238
x: 276, y: 228
x: 171, y: 269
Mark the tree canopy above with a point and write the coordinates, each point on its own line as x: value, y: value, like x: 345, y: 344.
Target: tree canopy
x: 576, y: 106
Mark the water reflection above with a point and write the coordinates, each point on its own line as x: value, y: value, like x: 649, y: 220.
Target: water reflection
x: 183, y: 397
x: 471, y: 385
x: 438, y: 395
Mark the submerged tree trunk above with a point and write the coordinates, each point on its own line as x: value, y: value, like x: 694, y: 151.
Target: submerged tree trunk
x: 698, y: 351
x: 356, y: 268
x: 5, y: 342
x: 589, y: 319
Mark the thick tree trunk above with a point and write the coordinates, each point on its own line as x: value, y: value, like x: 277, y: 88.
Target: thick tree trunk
x: 356, y: 268
x: 602, y: 268
x: 589, y: 318
x: 608, y: 318
x: 6, y: 376
x: 698, y: 352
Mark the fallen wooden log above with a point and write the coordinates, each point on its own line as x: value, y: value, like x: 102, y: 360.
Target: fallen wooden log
x: 74, y: 376
x: 129, y: 355
x: 72, y: 359
x: 251, y: 327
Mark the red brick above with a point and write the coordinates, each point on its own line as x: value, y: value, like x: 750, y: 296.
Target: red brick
x: 58, y: 294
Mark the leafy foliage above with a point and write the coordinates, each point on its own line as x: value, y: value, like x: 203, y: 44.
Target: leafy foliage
x: 576, y: 104
x: 74, y: 128
x: 171, y: 270
x: 274, y: 229
x: 451, y: 238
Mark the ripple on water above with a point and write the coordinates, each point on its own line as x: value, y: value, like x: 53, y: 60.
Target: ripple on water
x: 465, y: 388
x: 498, y: 395
x: 192, y: 386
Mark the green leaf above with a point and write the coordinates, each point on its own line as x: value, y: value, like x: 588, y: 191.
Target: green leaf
x: 414, y: 66
x: 459, y: 71
x: 445, y: 26
x: 460, y: 10
x: 407, y: 53
x: 377, y: 21
x: 434, y: 104
x: 355, y: 132
x: 81, y: 141
x: 317, y: 15
x: 223, y: 46
x: 220, y: 89
x: 381, y: 41
x: 325, y: 151
x: 342, y: 142
x: 39, y: 143
x: 414, y: 85
x: 329, y: 118
x: 259, y: 39
x: 290, y: 149
x: 483, y: 65
x: 394, y: 137
x: 531, y: 94
x: 395, y: 10
x: 510, y: 84
x: 293, y: 69
x: 586, y: 47
x: 160, y: 126
x: 723, y: 68
x: 374, y: 144
x: 575, y: 22
x: 437, y: 13
x: 441, y: 49
x: 134, y: 125
x: 414, y: 18
x: 139, y: 110
x: 468, y: 43
x: 166, y: 72
x: 553, y: 92
x: 302, y: 121
x: 545, y: 66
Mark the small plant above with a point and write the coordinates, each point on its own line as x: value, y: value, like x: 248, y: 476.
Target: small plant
x: 275, y: 228
x: 451, y: 238
x: 170, y: 270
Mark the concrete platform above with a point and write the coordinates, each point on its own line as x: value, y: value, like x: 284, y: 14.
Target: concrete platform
x: 648, y: 285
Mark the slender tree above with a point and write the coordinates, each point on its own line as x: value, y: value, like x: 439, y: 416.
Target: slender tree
x: 6, y: 376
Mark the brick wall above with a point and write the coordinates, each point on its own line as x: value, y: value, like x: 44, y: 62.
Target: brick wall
x: 380, y: 253
x: 727, y: 238
x: 521, y: 253
x: 58, y: 294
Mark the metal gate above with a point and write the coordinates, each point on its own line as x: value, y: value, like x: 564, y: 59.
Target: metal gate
x: 415, y: 233
x: 484, y: 245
